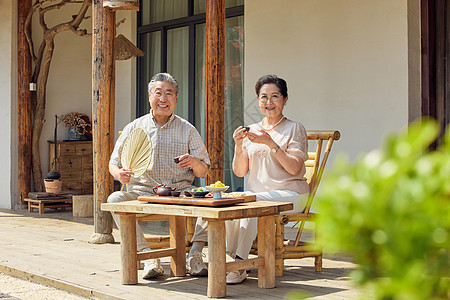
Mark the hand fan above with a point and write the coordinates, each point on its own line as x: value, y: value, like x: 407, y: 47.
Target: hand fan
x: 137, y: 152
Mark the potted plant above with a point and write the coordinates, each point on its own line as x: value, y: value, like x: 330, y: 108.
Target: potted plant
x: 79, y: 125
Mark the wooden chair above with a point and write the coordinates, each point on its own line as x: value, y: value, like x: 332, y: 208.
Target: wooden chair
x: 315, y: 166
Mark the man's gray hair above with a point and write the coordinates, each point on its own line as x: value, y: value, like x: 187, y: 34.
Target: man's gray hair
x: 163, y: 77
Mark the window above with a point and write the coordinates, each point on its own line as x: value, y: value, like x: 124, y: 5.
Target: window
x: 172, y: 35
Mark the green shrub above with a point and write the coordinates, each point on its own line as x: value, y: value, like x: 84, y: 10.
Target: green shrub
x: 390, y: 210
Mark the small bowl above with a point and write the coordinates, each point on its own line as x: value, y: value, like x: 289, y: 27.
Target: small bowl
x: 200, y: 194
x: 188, y: 194
x: 176, y: 194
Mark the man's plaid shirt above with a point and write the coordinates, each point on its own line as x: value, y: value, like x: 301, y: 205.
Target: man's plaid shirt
x: 173, y: 139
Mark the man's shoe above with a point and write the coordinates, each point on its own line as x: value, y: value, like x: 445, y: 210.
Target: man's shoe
x: 152, y: 268
x: 236, y: 277
x: 195, y: 265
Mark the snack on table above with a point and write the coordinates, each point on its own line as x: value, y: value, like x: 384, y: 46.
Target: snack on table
x: 234, y: 194
x: 217, y: 184
x: 200, y: 189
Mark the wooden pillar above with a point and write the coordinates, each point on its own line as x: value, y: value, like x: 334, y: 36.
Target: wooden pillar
x: 128, y: 249
x: 266, y: 249
x: 178, y: 241
x: 24, y: 103
x: 215, y: 87
x: 217, y: 286
x: 103, y: 77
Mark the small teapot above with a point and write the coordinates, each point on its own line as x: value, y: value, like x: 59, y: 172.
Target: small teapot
x: 163, y: 190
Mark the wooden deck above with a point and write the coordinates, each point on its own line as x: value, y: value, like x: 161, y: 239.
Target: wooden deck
x: 53, y: 249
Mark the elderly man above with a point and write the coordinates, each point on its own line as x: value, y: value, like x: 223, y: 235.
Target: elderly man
x: 171, y: 136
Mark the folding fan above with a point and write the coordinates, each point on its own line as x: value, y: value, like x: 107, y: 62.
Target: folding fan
x: 137, y: 152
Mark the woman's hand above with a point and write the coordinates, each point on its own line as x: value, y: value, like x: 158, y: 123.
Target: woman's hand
x: 261, y: 138
x: 239, y: 135
x: 291, y: 163
x: 240, y: 158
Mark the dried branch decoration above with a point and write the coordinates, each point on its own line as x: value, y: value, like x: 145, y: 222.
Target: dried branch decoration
x: 74, y: 119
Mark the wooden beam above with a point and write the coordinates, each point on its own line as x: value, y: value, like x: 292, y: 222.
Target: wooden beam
x: 103, y: 85
x: 428, y: 13
x: 24, y: 103
x: 215, y: 87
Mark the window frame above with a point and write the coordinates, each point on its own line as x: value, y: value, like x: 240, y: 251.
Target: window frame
x: 191, y: 21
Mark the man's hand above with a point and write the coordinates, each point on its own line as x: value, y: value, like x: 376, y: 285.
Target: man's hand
x: 123, y: 175
x: 188, y: 161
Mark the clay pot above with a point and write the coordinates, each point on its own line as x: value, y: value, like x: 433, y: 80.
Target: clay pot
x: 53, y: 186
x: 163, y: 190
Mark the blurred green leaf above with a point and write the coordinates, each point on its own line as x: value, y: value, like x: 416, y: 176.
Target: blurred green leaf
x: 390, y: 210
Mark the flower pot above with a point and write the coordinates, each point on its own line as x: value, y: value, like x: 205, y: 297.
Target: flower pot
x: 74, y: 133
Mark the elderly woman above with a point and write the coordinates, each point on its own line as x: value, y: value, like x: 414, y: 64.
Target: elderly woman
x: 272, y: 153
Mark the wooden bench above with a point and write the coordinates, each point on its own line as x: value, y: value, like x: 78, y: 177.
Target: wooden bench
x: 41, y: 204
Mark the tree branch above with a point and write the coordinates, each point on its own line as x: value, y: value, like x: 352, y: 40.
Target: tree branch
x: 81, y: 13
x: 42, y: 63
x: 54, y: 6
x: 80, y: 32
x: 120, y: 22
x: 28, y: 21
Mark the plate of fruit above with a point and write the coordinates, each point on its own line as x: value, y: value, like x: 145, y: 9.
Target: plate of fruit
x: 218, y: 187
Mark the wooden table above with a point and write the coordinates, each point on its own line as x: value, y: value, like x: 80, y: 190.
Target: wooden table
x: 216, y: 216
x: 41, y: 204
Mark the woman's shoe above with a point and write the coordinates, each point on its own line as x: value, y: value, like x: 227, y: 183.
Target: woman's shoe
x: 236, y: 277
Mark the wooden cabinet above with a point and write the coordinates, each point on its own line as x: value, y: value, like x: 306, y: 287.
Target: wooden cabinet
x: 75, y: 165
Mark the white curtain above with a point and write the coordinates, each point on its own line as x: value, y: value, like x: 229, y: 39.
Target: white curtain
x: 178, y: 66
x: 163, y: 10
x: 234, y: 92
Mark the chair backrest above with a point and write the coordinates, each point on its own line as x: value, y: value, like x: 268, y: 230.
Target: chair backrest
x: 315, y: 165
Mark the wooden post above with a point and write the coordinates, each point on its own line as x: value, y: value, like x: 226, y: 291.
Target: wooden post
x: 178, y: 241
x: 128, y: 249
x: 24, y: 103
x: 266, y: 250
x: 103, y: 76
x: 217, y: 286
x: 279, y: 246
x: 215, y: 87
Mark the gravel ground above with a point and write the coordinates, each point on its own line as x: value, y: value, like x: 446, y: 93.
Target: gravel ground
x: 12, y: 288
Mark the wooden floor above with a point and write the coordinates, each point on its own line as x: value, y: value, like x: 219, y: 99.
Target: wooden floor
x: 53, y: 249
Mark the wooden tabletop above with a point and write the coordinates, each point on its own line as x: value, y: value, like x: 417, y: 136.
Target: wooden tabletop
x: 238, y: 211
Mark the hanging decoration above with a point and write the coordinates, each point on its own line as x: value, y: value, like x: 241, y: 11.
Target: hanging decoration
x: 122, y: 4
x: 125, y: 49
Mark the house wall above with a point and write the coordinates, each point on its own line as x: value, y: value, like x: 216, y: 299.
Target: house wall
x: 69, y: 87
x: 8, y: 102
x: 346, y: 64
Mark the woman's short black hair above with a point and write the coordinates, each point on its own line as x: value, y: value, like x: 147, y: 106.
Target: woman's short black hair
x: 279, y: 82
